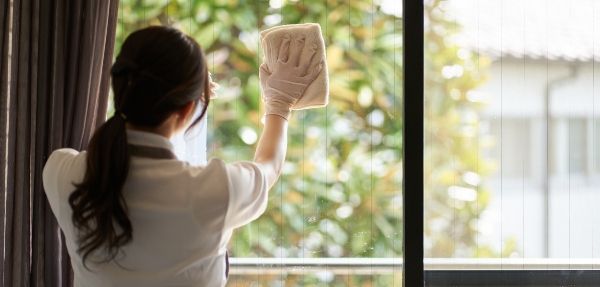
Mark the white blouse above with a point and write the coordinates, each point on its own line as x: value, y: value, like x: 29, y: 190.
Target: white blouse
x: 182, y: 216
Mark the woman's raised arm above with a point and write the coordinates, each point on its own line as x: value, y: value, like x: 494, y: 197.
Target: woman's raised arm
x: 282, y: 86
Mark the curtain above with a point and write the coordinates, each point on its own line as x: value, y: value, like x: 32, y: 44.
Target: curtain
x: 54, y: 77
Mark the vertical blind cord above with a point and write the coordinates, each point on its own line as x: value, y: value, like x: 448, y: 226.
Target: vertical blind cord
x: 281, y: 176
x: 593, y: 114
x: 235, y: 103
x: 547, y: 191
x: 454, y: 157
x: 523, y: 127
x: 349, y: 78
x: 258, y: 89
x: 395, y: 114
x: 326, y: 137
x: 569, y: 151
x: 370, y: 63
x: 394, y: 208
x: 478, y: 127
x: 303, y: 171
x: 501, y: 129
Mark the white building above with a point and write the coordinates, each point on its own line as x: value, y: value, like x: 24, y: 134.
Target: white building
x: 544, y: 113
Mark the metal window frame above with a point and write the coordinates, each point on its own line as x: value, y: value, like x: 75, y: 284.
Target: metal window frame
x: 538, y: 278
x: 413, y: 150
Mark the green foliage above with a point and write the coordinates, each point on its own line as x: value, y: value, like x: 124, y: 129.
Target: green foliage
x: 456, y: 193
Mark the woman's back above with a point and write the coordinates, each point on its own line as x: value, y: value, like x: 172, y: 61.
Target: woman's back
x: 182, y: 216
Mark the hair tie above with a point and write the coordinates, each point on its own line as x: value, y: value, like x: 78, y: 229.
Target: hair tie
x: 120, y: 114
x: 123, y: 64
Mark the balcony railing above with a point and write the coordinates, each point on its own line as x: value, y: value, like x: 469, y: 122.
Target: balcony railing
x: 394, y: 265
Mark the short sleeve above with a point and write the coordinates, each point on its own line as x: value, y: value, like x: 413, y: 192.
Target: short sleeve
x: 248, y: 193
x: 63, y: 168
x: 59, y: 163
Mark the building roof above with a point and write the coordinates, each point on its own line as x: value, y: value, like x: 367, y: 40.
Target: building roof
x: 538, y: 29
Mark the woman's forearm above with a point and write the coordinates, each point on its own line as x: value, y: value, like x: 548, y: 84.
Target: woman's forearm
x: 272, y: 146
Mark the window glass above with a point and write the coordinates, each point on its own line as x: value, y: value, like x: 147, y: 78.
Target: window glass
x: 340, y: 192
x: 511, y: 148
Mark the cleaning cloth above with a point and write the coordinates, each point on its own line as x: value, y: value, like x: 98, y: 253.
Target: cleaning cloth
x: 317, y: 93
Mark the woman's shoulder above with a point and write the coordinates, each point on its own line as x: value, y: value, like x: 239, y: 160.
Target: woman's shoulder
x: 64, y: 152
x: 237, y: 177
x: 63, y: 163
x: 235, y: 169
x: 63, y: 156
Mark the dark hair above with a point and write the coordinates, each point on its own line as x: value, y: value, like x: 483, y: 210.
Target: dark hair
x: 158, y: 71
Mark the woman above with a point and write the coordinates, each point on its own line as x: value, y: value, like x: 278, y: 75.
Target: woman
x: 134, y: 215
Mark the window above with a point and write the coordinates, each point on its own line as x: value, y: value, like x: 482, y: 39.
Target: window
x: 510, y: 139
x: 339, y: 198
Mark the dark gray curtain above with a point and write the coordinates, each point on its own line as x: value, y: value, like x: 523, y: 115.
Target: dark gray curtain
x: 54, y: 77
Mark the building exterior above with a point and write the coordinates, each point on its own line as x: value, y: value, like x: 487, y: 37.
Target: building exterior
x: 543, y: 115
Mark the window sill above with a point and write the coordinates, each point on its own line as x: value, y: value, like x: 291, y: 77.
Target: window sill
x: 394, y: 265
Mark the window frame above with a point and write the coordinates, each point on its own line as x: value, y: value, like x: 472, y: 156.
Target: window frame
x: 512, y: 278
x: 414, y: 273
x: 413, y: 73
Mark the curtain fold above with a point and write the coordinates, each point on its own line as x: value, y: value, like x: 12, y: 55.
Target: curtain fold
x: 5, y: 9
x: 54, y: 77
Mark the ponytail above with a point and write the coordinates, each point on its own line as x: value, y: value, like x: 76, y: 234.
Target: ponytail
x: 97, y: 202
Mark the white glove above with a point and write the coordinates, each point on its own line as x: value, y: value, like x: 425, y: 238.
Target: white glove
x: 283, y: 86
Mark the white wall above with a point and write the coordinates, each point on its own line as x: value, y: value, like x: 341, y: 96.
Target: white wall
x: 517, y: 120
